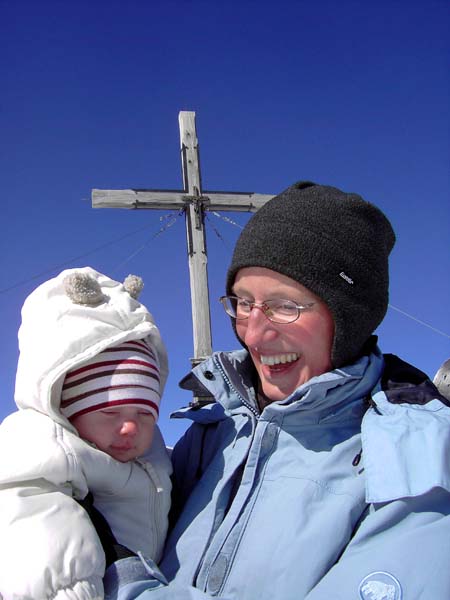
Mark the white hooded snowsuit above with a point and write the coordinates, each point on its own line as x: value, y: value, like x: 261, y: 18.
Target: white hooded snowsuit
x: 46, y: 466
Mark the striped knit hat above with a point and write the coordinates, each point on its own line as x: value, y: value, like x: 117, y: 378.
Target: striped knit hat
x: 127, y: 374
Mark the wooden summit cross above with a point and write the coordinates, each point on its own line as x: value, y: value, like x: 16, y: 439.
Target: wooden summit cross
x: 194, y: 202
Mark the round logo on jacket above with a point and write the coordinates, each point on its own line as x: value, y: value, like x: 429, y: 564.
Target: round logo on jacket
x: 380, y: 586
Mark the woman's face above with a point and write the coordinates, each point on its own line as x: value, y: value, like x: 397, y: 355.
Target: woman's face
x: 285, y: 355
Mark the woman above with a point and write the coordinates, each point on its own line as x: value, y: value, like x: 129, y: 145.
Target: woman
x: 320, y: 469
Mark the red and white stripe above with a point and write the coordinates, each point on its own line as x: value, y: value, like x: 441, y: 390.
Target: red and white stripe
x: 127, y: 374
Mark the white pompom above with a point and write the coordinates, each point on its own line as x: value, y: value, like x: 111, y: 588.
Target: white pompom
x: 82, y: 288
x: 133, y: 284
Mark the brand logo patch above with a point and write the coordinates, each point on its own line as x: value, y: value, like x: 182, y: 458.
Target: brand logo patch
x: 380, y: 586
x: 346, y: 277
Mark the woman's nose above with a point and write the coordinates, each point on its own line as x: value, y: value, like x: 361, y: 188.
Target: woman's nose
x: 128, y: 427
x: 257, y: 328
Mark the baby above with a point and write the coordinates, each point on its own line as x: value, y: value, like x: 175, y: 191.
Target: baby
x: 112, y: 401
x: 91, y: 372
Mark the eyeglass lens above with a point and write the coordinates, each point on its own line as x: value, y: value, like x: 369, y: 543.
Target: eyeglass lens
x: 276, y: 310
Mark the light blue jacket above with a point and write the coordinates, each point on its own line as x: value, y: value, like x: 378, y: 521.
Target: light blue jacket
x: 339, y: 492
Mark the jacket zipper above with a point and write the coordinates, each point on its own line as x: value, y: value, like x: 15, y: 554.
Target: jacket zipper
x: 256, y: 414
x: 154, y: 501
x: 231, y: 386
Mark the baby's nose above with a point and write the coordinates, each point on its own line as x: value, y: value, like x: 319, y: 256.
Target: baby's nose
x: 128, y: 427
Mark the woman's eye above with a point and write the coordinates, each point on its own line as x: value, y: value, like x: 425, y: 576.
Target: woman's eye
x: 288, y: 306
x: 279, y: 305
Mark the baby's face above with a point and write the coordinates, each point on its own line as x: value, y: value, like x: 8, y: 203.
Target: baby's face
x: 123, y: 432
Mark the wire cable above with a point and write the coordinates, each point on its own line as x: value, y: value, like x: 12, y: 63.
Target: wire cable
x: 173, y: 219
x: 419, y: 321
x: 69, y: 261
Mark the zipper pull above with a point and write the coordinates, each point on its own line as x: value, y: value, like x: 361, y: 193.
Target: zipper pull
x: 151, y: 472
x: 357, y: 459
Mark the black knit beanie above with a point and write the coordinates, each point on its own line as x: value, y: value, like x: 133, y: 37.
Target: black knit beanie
x: 336, y: 245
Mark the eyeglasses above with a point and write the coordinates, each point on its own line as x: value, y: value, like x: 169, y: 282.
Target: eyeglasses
x: 276, y: 310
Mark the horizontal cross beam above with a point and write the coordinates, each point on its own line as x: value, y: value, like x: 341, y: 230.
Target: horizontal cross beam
x: 178, y: 199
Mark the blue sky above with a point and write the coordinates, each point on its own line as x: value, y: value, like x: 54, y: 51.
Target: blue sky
x: 351, y: 94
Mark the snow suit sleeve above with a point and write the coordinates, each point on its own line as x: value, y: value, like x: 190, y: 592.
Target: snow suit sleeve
x: 49, y: 548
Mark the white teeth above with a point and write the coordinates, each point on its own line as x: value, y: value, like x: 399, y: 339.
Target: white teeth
x: 279, y: 358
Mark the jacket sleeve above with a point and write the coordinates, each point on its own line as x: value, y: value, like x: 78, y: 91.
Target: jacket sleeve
x: 400, y: 550
x: 49, y: 548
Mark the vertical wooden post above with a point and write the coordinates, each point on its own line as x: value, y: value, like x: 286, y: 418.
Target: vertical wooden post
x: 196, y: 241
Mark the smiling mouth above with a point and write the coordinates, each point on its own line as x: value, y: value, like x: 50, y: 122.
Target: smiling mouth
x: 279, y: 359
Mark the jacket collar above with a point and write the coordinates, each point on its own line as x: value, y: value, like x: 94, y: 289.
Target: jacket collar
x: 225, y: 379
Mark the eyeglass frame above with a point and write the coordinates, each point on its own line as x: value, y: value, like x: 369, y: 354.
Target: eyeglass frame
x: 301, y: 308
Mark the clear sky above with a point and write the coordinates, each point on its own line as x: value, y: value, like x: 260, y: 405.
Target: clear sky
x: 351, y: 94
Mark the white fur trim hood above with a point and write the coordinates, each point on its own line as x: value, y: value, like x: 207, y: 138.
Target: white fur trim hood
x: 59, y: 332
